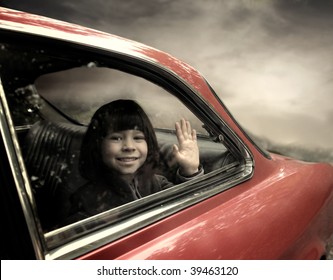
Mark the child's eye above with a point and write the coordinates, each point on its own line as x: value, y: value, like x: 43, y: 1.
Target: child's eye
x: 115, y: 138
x: 139, y: 137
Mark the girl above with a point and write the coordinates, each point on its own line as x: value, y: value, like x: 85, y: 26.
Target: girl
x: 119, y: 154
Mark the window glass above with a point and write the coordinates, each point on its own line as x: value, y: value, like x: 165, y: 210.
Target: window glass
x: 53, y: 97
x: 79, y: 92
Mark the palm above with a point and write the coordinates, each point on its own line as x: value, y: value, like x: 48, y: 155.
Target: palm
x: 187, y: 151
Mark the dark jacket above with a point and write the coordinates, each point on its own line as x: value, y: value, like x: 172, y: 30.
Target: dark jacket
x: 97, y: 197
x: 110, y: 192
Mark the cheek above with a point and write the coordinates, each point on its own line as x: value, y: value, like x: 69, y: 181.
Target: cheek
x: 108, y: 149
x: 144, y: 150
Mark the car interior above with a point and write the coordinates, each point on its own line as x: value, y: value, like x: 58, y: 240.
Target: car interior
x: 52, y: 149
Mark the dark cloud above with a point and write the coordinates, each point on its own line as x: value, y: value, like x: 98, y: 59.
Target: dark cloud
x: 269, y: 56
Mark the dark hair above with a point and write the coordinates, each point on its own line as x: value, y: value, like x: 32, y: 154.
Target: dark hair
x: 115, y: 116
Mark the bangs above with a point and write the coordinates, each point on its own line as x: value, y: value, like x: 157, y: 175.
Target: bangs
x: 126, y: 121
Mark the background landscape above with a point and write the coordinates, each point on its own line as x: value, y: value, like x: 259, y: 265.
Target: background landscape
x: 270, y: 61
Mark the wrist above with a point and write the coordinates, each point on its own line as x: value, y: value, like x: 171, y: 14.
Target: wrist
x: 190, y: 172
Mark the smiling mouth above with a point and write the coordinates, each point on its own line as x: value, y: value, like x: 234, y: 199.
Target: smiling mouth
x: 127, y: 159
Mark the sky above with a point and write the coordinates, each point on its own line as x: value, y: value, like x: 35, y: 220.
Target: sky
x: 270, y: 61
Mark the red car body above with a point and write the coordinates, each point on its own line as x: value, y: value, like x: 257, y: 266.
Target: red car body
x: 283, y: 210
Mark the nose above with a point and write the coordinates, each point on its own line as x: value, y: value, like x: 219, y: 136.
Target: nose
x: 128, y: 144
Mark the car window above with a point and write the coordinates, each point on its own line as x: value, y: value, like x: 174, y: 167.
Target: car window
x: 52, y: 96
x: 79, y: 92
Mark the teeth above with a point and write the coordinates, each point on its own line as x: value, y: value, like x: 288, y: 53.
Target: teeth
x: 127, y: 159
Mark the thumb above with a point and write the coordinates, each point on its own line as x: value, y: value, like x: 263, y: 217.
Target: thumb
x: 175, y: 149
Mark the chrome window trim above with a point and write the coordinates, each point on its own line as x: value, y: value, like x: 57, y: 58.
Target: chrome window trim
x: 19, y: 174
x: 112, y: 232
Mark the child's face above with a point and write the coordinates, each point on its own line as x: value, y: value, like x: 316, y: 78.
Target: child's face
x: 124, y: 151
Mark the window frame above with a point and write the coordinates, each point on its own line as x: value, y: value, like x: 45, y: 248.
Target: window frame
x: 51, y: 245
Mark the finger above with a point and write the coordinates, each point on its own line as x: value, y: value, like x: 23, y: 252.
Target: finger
x: 184, y: 128
x: 189, y: 129
x: 179, y: 132
x: 194, y: 135
x: 175, y: 149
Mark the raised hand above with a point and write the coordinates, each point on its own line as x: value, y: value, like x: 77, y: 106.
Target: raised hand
x: 186, y: 152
